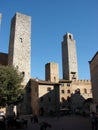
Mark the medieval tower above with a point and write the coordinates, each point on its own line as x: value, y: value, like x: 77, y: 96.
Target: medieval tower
x: 69, y: 58
x: 52, y: 72
x: 20, y: 45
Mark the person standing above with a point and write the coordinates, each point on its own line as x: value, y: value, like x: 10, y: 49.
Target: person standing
x: 94, y: 121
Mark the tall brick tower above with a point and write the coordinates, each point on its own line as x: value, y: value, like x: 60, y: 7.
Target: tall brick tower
x: 69, y: 58
x: 20, y: 45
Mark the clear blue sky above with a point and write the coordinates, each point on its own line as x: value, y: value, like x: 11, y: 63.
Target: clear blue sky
x: 51, y: 19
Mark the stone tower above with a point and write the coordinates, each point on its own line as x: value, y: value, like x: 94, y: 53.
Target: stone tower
x: 20, y: 45
x: 0, y: 19
x: 69, y: 58
x: 51, y: 72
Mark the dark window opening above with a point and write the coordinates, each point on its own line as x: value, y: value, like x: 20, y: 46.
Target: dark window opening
x: 54, y: 78
x: 23, y: 74
x: 77, y: 91
x: 63, y: 99
x: 62, y: 91
x: 21, y: 40
x: 68, y: 84
x: 48, y: 89
x: 62, y: 84
x: 68, y: 91
x: 85, y: 90
x: 69, y: 36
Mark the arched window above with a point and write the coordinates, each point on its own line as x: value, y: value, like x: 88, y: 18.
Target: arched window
x: 69, y: 36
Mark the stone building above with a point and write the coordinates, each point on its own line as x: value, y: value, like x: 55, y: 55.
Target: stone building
x: 70, y: 84
x: 49, y: 95
x: 94, y: 77
x: 69, y: 90
x: 43, y: 97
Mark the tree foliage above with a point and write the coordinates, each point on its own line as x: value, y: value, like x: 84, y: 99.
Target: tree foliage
x: 10, y: 85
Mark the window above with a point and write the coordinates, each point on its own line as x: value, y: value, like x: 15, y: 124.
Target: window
x: 63, y: 99
x: 68, y: 91
x: 23, y: 74
x: 68, y: 84
x: 69, y: 36
x: 85, y: 90
x: 54, y: 78
x: 62, y: 85
x: 48, y: 89
x: 21, y: 40
x: 62, y: 91
x: 77, y: 91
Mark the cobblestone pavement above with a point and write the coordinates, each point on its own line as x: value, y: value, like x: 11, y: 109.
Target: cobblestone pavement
x: 71, y: 122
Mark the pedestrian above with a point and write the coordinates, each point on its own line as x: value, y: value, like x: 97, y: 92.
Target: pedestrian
x: 35, y: 118
x: 31, y: 118
x: 94, y: 121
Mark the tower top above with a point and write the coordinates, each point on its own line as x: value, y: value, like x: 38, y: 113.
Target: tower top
x: 68, y: 36
x: 17, y: 13
x: 0, y: 18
